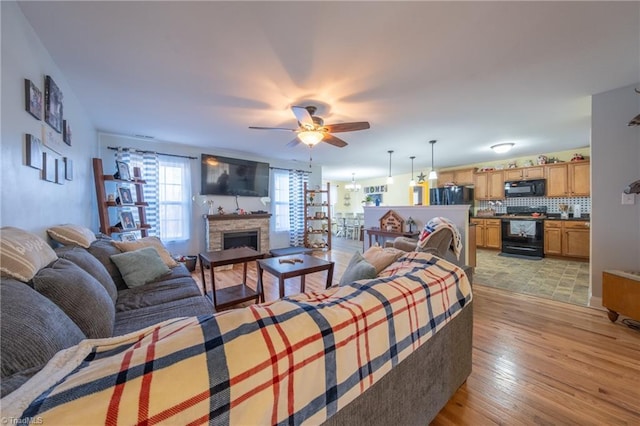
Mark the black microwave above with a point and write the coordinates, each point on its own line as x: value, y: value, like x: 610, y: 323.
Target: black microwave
x: 525, y: 188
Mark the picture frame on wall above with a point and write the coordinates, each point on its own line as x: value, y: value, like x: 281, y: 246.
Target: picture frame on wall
x: 32, y: 99
x: 122, y: 171
x: 66, y: 134
x: 127, y: 221
x: 33, y: 151
x: 52, y: 104
x: 52, y: 140
x: 59, y: 171
x: 124, y: 195
x: 48, y: 167
x: 68, y: 168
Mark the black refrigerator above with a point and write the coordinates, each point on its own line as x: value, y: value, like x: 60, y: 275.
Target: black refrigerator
x: 451, y: 195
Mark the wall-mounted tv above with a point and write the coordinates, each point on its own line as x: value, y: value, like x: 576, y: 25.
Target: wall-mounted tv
x: 233, y: 176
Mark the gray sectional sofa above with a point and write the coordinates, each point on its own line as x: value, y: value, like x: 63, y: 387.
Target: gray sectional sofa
x: 82, y: 295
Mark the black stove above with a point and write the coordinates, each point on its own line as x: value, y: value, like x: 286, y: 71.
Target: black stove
x: 522, y: 233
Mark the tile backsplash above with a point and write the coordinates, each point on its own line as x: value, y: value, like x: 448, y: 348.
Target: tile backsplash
x: 553, y: 204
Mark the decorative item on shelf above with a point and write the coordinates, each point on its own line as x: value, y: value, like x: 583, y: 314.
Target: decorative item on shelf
x: 319, y: 215
x: 564, y: 211
x: 368, y: 200
x: 122, y: 172
x: 513, y: 165
x: 500, y: 167
x: 111, y: 198
x: 542, y: 159
x: 410, y: 223
x: 124, y: 196
x: 127, y: 221
x: 391, y: 221
x: 311, y: 197
x: 553, y: 160
x: 220, y: 210
x: 528, y: 163
x: 577, y: 157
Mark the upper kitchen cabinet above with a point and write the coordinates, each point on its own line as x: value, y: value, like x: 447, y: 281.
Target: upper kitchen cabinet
x: 568, y: 179
x: 489, y: 185
x: 524, y: 173
x: 458, y: 177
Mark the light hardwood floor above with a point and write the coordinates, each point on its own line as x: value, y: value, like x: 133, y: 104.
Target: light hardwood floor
x: 535, y: 361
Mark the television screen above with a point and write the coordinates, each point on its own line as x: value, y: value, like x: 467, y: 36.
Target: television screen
x: 232, y: 176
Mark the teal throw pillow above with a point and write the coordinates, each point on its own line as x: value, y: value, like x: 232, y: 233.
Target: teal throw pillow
x: 357, y: 269
x: 140, y: 267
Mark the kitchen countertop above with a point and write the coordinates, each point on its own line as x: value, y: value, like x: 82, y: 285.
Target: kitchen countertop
x: 550, y: 216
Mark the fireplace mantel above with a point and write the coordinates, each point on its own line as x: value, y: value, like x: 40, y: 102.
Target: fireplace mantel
x: 217, y: 224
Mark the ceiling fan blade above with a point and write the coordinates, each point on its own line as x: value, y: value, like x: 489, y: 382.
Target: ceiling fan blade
x: 303, y: 116
x: 347, y: 127
x: 332, y: 140
x: 272, y: 128
x: 294, y: 142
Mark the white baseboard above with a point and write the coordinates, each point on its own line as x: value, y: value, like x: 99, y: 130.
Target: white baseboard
x: 596, y: 303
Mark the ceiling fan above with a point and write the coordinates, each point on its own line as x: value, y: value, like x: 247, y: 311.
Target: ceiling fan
x: 312, y: 130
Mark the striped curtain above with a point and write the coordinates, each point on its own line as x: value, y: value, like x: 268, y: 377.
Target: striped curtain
x: 150, y: 170
x: 297, y: 179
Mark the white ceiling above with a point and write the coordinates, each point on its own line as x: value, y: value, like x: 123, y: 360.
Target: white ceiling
x: 469, y: 74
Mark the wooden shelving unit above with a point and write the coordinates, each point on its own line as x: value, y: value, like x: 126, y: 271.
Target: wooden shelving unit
x: 101, y: 180
x: 317, y: 218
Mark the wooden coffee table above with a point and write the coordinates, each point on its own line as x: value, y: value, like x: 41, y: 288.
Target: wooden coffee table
x: 229, y: 296
x: 283, y: 270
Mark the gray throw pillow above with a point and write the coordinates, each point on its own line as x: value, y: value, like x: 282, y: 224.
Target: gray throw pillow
x: 102, y: 249
x: 357, y: 269
x: 141, y: 266
x: 90, y: 264
x: 79, y: 295
x: 33, y: 330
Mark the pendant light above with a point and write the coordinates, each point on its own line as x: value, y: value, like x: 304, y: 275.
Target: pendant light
x: 412, y: 182
x: 432, y: 174
x: 390, y: 178
x: 353, y: 186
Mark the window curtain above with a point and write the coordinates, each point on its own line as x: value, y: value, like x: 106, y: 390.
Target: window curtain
x: 149, y: 169
x: 297, y: 179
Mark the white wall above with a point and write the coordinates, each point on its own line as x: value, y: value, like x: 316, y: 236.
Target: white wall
x: 615, y: 148
x: 197, y: 243
x: 27, y: 201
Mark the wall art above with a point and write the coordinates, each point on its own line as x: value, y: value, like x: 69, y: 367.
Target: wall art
x: 33, y: 152
x: 66, y: 135
x: 59, y: 171
x: 68, y: 168
x: 32, y: 99
x: 52, y: 104
x: 48, y: 167
x: 52, y: 140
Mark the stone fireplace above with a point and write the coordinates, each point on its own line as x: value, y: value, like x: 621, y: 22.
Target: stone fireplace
x: 242, y: 228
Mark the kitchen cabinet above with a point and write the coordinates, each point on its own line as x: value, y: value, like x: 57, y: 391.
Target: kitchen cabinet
x: 568, y: 179
x: 488, y: 233
x: 489, y: 185
x: 459, y: 177
x: 567, y: 238
x: 524, y: 173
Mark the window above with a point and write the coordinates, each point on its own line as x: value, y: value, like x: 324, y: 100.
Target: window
x: 174, y: 196
x: 281, y: 199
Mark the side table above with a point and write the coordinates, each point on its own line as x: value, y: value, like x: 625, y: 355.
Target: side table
x: 233, y: 295
x: 283, y: 270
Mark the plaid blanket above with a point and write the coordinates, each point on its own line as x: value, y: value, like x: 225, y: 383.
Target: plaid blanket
x: 294, y: 361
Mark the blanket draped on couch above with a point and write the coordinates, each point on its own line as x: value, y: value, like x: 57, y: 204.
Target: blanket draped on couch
x: 296, y: 360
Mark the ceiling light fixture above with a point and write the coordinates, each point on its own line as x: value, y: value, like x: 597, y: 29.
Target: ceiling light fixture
x: 412, y: 182
x: 432, y: 174
x: 501, y: 148
x: 390, y: 178
x: 353, y: 186
x: 310, y: 137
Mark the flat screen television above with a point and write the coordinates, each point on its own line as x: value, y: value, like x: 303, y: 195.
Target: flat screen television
x: 233, y: 176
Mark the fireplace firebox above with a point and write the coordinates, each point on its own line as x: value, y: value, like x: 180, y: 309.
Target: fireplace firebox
x: 246, y: 238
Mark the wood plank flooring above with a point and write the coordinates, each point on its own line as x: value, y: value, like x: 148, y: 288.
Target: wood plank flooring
x: 535, y: 361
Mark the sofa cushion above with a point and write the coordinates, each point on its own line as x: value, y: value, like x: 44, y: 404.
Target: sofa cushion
x: 357, y: 269
x: 179, y: 271
x: 148, y: 242
x: 79, y: 295
x: 140, y: 267
x: 136, y: 319
x: 90, y: 264
x: 380, y: 257
x: 102, y: 249
x: 33, y: 330
x: 75, y: 235
x: 156, y: 293
x: 22, y: 253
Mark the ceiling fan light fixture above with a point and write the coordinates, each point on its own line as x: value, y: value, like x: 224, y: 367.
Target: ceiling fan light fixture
x: 310, y: 137
x: 501, y: 148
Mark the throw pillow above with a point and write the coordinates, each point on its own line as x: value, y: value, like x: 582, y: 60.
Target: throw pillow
x: 380, y: 257
x: 148, y: 242
x: 90, y: 264
x: 34, y: 329
x: 140, y: 267
x: 102, y: 249
x: 22, y: 253
x: 79, y: 295
x: 75, y: 235
x: 357, y: 269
